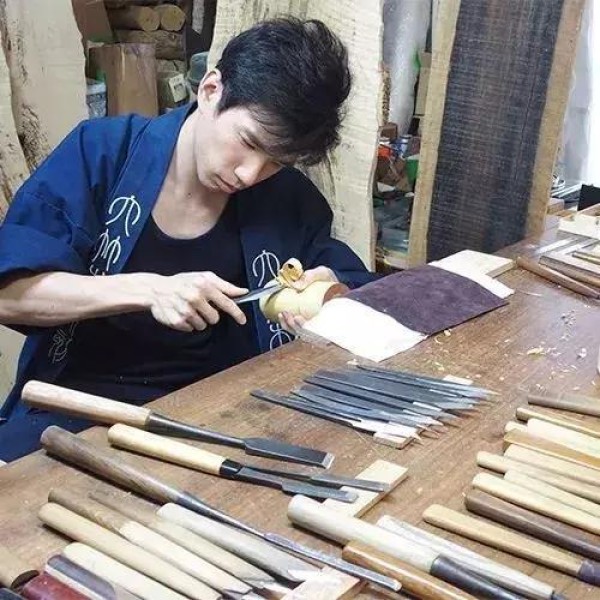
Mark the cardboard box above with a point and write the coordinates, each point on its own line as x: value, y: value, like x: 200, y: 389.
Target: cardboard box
x: 425, y: 60
x: 92, y: 20
x: 172, y: 90
x: 129, y: 71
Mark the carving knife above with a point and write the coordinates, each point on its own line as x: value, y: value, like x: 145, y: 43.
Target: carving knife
x: 186, y: 455
x: 427, y: 382
x: 53, y: 397
x: 75, y: 450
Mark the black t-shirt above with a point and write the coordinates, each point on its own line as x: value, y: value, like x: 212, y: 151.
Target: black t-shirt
x: 134, y: 358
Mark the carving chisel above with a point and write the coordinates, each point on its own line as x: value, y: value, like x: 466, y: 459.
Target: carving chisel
x: 398, y: 390
x: 504, y: 576
x: 332, y: 524
x: 355, y: 422
x: 460, y: 389
x: 186, y: 455
x: 69, y: 447
x: 134, y: 508
x: 349, y: 409
x: 152, y: 542
x: 513, y: 543
x: 103, y: 410
x: 412, y: 407
x: 398, y: 416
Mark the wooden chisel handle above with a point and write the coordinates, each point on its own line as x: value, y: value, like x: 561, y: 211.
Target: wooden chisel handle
x: 96, y: 408
x: 524, y: 414
x: 544, y: 528
x: 415, y: 582
x: 578, y: 403
x: 103, y: 462
x: 556, y: 277
x: 165, y: 448
x: 45, y: 587
x: 328, y: 522
x: 13, y: 571
x: 509, y: 541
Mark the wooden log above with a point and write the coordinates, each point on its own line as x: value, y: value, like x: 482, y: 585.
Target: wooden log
x: 171, y: 17
x: 142, y: 18
x: 417, y: 583
x: 553, y: 464
x: 502, y: 464
x: 169, y: 45
x: 514, y: 543
x: 108, y: 568
x: 13, y: 571
x: 538, y: 526
x: 83, y: 530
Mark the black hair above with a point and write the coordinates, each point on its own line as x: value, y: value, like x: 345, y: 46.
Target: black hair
x: 293, y: 76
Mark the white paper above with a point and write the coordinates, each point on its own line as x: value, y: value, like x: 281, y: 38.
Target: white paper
x: 362, y: 330
x: 485, y: 281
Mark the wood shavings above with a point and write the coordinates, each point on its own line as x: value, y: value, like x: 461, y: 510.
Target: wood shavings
x: 447, y: 332
x: 582, y: 353
x: 538, y: 351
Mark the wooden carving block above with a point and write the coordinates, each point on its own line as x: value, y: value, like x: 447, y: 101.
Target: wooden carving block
x: 329, y: 585
x: 380, y: 470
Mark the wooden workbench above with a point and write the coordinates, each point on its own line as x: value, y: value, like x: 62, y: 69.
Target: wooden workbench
x: 491, y: 350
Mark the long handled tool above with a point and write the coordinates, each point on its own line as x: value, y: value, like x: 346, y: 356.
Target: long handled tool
x: 342, y: 528
x: 75, y: 450
x: 103, y: 410
x: 525, y: 413
x: 414, y: 581
x: 544, y: 528
x: 494, y: 571
x: 152, y: 542
x: 186, y: 455
x: 133, y: 508
x: 514, y: 543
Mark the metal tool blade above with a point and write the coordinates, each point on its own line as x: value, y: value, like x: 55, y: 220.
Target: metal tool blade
x: 292, y: 486
x: 266, y: 447
x: 258, y: 294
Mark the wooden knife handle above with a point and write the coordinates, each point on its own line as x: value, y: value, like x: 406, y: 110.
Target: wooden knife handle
x: 45, y: 587
x: 536, y: 502
x: 544, y: 528
x: 556, y: 277
x: 416, y: 582
x: 525, y: 413
x: 551, y: 448
x: 106, y: 567
x: 562, y: 435
x: 105, y: 463
x: 165, y: 448
x: 55, y: 398
x: 584, y: 405
x: 13, y: 571
x: 502, y: 539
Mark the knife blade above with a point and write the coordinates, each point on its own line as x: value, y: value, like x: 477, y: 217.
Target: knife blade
x: 259, y: 293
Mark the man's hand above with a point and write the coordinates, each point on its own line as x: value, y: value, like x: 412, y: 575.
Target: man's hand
x: 293, y: 323
x: 193, y: 301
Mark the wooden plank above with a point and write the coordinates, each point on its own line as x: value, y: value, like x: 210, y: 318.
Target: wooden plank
x: 380, y: 470
x: 557, y: 96
x: 492, y: 134
x: 445, y: 28
x: 13, y: 168
x: 346, y: 177
x: 46, y: 62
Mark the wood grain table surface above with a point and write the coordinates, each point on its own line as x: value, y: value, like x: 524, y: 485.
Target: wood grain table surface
x: 561, y: 328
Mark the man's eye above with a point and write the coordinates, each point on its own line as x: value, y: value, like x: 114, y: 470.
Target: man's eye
x: 247, y: 143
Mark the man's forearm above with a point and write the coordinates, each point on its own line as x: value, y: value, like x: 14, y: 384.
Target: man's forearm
x: 51, y: 299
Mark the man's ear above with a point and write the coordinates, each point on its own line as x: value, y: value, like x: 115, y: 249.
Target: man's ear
x: 210, y: 90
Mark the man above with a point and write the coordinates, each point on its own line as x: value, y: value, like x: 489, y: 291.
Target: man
x: 180, y: 215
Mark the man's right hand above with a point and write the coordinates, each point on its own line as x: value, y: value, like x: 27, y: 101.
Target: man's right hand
x: 193, y: 301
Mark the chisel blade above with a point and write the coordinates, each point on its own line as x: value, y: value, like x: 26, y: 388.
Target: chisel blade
x: 282, y: 451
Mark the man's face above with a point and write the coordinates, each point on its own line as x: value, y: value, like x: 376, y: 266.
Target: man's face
x: 228, y: 145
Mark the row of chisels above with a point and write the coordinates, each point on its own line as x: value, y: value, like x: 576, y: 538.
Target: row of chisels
x: 395, y: 406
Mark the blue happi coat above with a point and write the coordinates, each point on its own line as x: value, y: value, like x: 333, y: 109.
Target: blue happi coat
x: 84, y: 208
